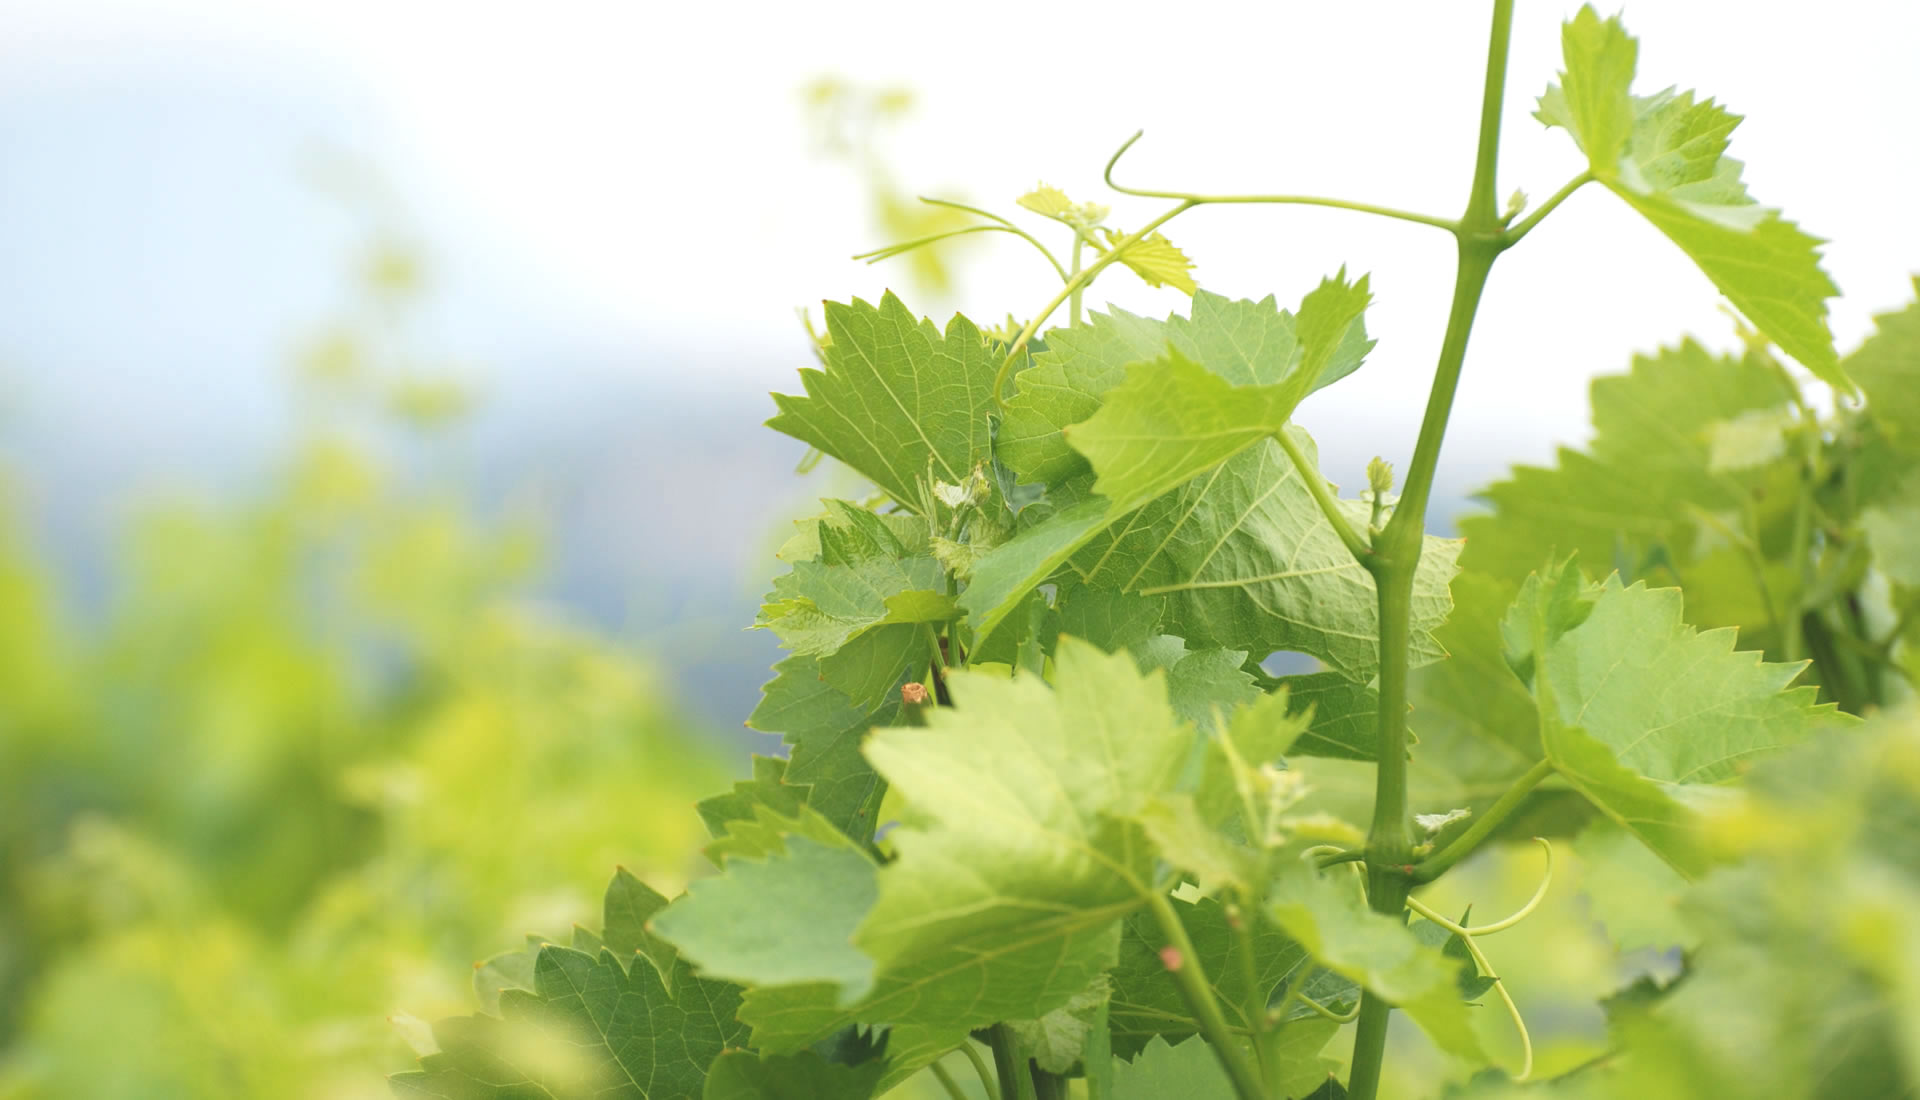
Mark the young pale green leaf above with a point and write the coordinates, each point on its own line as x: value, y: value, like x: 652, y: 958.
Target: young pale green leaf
x: 1159, y: 263
x: 1004, y: 577
x: 1887, y: 367
x: 1047, y: 201
x: 588, y: 1027
x: 744, y: 1075
x: 818, y: 607
x: 1016, y: 859
x: 897, y: 399
x: 1326, y: 916
x: 1665, y: 155
x: 1258, y: 734
x: 783, y: 914
x: 1245, y: 342
x: 824, y: 730
x: 1170, y: 421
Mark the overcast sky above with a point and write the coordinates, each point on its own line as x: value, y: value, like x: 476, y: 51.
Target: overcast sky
x: 634, y: 179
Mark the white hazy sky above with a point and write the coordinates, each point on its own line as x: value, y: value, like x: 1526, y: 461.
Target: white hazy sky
x: 637, y: 175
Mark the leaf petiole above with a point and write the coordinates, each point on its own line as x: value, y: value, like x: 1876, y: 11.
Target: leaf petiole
x: 1528, y: 223
x: 1483, y: 826
x: 1183, y: 962
x: 1360, y: 548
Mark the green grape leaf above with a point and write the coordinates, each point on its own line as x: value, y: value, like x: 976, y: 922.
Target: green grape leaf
x: 897, y: 399
x: 1170, y: 421
x: 1003, y: 578
x: 817, y: 608
x: 1249, y: 562
x: 1016, y: 858
x: 507, y: 970
x: 1345, y: 716
x: 743, y: 1075
x: 1665, y: 155
x: 1066, y: 382
x: 1110, y: 619
x: 1642, y: 713
x: 824, y: 730
x: 1656, y: 424
x: 587, y: 1027
x: 1189, y: 1070
x: 1633, y: 895
x: 1245, y: 555
x: 1887, y: 366
x: 1146, y: 1002
x: 628, y: 906
x: 1893, y: 532
x: 1468, y: 980
x: 768, y: 787
x: 1055, y: 1040
x: 1203, y: 686
x: 1246, y: 343
x: 783, y: 916
x: 1158, y: 262
x: 1326, y: 917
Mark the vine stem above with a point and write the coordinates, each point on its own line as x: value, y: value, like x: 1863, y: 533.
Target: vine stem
x: 1015, y: 1082
x: 1191, y: 978
x: 1481, y: 237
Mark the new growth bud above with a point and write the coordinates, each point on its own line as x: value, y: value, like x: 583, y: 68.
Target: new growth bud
x: 1380, y: 476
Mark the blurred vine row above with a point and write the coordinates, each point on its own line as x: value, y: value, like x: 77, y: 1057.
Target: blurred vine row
x: 315, y: 752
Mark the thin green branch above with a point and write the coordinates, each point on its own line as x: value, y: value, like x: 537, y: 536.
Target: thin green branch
x: 1074, y: 285
x: 1317, y: 485
x: 892, y: 250
x: 1073, y: 300
x: 1527, y: 224
x: 1288, y: 200
x: 1483, y: 826
x: 1255, y: 1008
x: 1355, y: 855
x: 940, y: 1074
x: 1184, y: 964
x: 988, y: 1085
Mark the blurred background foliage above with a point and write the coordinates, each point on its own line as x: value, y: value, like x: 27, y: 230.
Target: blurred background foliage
x: 316, y: 752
